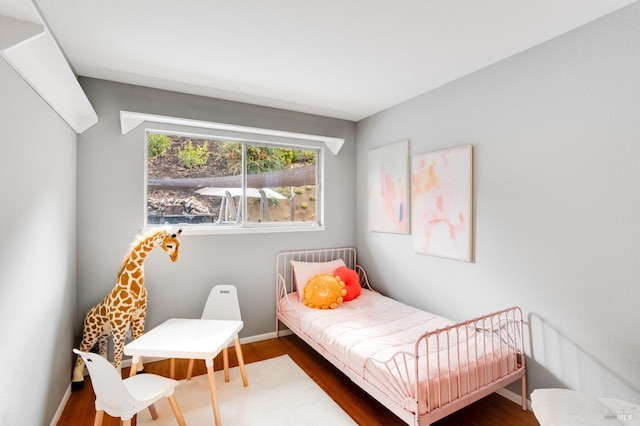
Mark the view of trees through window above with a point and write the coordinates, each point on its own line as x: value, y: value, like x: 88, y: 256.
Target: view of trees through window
x: 199, y: 181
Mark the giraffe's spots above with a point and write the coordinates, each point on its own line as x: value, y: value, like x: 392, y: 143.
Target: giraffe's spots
x: 125, y: 305
x: 124, y: 298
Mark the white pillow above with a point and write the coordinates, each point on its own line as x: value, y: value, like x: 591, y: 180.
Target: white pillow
x: 304, y: 271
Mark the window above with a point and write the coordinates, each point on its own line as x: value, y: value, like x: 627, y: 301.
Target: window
x: 207, y: 182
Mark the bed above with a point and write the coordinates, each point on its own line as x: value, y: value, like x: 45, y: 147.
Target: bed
x: 419, y: 365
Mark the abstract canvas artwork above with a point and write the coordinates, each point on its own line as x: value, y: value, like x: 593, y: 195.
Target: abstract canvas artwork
x: 441, y: 203
x: 388, y: 188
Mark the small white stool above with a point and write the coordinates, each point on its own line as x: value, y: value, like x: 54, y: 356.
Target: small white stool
x: 563, y: 407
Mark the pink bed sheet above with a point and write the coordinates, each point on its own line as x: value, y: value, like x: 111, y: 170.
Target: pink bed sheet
x: 369, y: 334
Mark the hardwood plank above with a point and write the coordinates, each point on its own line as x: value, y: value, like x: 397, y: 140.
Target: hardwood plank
x: 493, y: 410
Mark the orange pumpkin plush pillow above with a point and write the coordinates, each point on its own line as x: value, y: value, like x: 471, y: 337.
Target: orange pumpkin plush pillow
x: 351, y: 282
x: 323, y: 291
x: 304, y: 271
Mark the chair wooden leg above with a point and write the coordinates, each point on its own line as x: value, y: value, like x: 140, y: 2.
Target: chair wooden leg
x: 225, y: 361
x: 190, y: 369
x: 98, y: 419
x: 236, y: 343
x: 126, y: 422
x: 176, y: 410
x: 153, y: 412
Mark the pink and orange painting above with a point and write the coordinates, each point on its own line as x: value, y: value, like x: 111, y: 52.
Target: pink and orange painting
x: 441, y: 203
x: 388, y: 190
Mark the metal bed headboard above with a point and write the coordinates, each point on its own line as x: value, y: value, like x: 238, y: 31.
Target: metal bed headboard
x: 284, y: 272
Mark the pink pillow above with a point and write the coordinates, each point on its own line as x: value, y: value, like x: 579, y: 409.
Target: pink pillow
x: 351, y: 282
x: 304, y: 271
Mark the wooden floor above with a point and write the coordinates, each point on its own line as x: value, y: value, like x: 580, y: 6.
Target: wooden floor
x: 493, y: 410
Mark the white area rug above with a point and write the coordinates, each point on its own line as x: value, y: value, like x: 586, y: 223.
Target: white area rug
x: 279, y: 394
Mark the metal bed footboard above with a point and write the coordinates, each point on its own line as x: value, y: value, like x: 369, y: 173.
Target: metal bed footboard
x: 469, y: 360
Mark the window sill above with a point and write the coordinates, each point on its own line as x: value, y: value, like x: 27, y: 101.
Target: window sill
x: 247, y: 229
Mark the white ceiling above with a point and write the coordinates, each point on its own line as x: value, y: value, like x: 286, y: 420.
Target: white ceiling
x: 339, y: 58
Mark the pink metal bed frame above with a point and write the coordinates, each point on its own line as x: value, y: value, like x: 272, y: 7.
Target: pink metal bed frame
x: 507, y: 323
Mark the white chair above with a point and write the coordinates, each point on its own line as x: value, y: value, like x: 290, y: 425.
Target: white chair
x: 125, y: 398
x: 223, y: 304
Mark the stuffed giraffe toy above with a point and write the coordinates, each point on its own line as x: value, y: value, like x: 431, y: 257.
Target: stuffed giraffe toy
x: 126, y: 305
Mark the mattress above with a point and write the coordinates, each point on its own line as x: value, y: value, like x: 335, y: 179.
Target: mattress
x: 373, y: 334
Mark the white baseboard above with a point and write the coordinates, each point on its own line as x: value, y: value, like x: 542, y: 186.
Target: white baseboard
x: 126, y: 363
x: 512, y: 396
x: 63, y: 403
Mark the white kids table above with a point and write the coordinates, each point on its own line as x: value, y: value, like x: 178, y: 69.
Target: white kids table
x: 188, y: 339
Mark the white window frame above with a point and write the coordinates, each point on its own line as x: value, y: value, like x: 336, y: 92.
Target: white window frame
x: 171, y: 125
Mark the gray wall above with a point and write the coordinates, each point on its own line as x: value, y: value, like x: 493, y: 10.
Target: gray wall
x: 556, y: 134
x: 111, y: 208
x: 37, y: 254
x: 555, y: 131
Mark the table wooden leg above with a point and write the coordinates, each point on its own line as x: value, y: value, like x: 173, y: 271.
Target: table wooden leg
x: 190, y: 369
x: 212, y: 388
x: 99, y: 416
x: 134, y: 368
x: 225, y: 362
x: 236, y: 342
x: 172, y: 368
